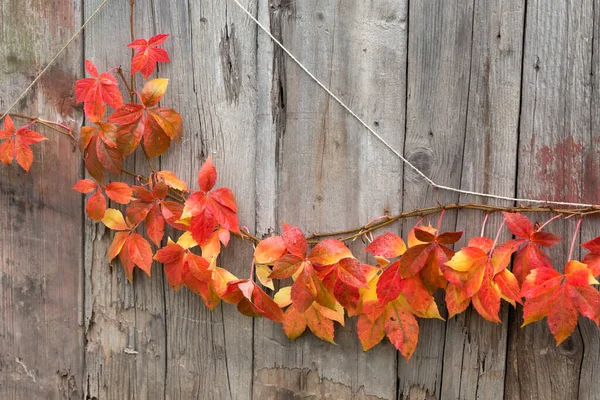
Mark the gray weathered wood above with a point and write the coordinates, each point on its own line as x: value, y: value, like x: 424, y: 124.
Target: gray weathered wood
x: 475, y: 349
x: 125, y: 323
x: 439, y: 54
x: 213, y: 85
x: 325, y: 172
x: 555, y: 127
x: 41, y: 274
x: 467, y: 90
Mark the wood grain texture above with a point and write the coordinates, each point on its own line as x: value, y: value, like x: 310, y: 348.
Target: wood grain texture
x: 555, y: 128
x: 213, y: 47
x: 475, y: 349
x: 125, y: 323
x: 467, y: 90
x: 439, y: 64
x: 324, y: 171
x: 41, y: 334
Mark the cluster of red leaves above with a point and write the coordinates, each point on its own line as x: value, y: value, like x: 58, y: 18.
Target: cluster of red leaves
x: 320, y: 285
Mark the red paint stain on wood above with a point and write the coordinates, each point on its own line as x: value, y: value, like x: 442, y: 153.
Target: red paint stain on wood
x: 560, y: 170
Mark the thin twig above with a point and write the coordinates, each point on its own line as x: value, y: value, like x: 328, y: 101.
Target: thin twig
x: 55, y: 126
x: 120, y: 73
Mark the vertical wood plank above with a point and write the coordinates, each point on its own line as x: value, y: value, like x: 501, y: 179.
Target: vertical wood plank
x: 590, y: 229
x: 555, y: 128
x: 439, y: 71
x: 475, y: 351
x: 41, y: 334
x: 213, y: 86
x: 323, y: 171
x: 125, y: 323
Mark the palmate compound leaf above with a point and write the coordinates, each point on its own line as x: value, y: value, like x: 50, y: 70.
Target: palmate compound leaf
x: 327, y: 273
x: 157, y: 126
x: 99, y: 146
x: 530, y: 255
x: 153, y: 208
x: 561, y: 298
x: 208, y: 209
x: 478, y: 273
x: 319, y: 319
x: 15, y: 145
x: 396, y: 318
x: 96, y: 92
x: 133, y: 250
x: 96, y: 205
x: 148, y: 54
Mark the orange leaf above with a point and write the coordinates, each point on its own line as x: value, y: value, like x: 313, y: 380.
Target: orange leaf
x: 269, y: 250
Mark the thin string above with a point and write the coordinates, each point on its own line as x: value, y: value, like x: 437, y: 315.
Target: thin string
x: 385, y: 143
x: 37, y: 78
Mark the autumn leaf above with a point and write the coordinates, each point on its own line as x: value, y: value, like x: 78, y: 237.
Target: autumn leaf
x: 478, y: 272
x: 157, y: 126
x: 530, y: 255
x: 171, y: 180
x: 148, y: 54
x: 210, y: 208
x: 269, y: 250
x: 561, y: 298
x: 592, y: 259
x: 133, y: 250
x: 388, y: 245
x: 319, y: 319
x: 15, y: 145
x: 97, y: 91
x: 252, y: 301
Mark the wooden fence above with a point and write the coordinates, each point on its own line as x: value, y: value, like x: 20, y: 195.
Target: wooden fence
x: 490, y: 95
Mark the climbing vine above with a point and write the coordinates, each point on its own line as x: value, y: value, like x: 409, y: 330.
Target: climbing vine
x: 320, y: 281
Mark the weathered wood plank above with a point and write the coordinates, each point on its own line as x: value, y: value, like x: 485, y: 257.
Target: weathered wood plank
x: 590, y: 228
x: 475, y: 350
x: 325, y: 172
x: 125, y: 323
x: 555, y: 127
x: 213, y: 86
x: 41, y: 334
x: 439, y: 54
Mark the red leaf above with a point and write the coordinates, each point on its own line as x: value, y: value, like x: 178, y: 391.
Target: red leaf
x: 207, y: 177
x: 518, y: 224
x: 294, y: 323
x: 140, y: 253
x: 350, y: 272
x: 85, y: 186
x: 17, y: 144
x: 329, y: 251
x: 269, y: 250
x: 96, y: 206
x: 402, y: 329
x: 370, y: 332
x: 119, y: 192
x: 304, y: 291
x: 202, y: 226
x: 172, y: 256
x: 388, y: 245
x: 148, y: 54
x: 561, y: 297
x: 94, y: 92
x: 388, y: 286
x: 295, y: 242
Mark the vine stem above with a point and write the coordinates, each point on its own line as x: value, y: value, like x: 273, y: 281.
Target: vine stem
x: 129, y: 89
x: 132, y: 28
x: 575, y: 238
x: 48, y: 124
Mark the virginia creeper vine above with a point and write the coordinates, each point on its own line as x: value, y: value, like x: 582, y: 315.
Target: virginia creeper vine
x: 319, y: 285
